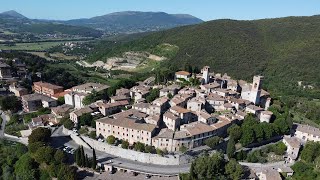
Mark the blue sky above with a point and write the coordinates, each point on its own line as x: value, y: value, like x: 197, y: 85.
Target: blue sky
x: 204, y: 9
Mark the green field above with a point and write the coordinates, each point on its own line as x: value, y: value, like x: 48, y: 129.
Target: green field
x: 38, y: 46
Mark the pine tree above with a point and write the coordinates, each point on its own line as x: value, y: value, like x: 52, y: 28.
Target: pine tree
x: 78, y: 156
x: 86, y: 161
x: 83, y: 158
x: 231, y: 149
x: 192, y: 175
x: 94, y: 159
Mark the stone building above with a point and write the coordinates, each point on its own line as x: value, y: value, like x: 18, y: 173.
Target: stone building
x: 46, y: 88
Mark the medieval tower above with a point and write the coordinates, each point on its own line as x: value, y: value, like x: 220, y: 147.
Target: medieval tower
x: 256, y: 89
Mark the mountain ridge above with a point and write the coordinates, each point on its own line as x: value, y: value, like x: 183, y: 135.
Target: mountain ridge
x: 284, y: 50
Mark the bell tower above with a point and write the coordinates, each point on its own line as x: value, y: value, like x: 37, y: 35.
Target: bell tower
x: 256, y: 89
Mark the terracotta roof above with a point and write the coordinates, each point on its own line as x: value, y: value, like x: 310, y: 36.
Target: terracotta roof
x: 61, y: 94
x: 204, y: 114
x: 47, y: 85
x: 115, y: 104
x: 141, y: 105
x: 171, y: 116
x: 89, y: 87
x: 221, y: 123
x: 61, y: 109
x: 211, y: 85
x: 255, y: 108
x: 82, y: 111
x: 183, y: 73
x: 160, y: 101
x: 165, y: 133
x: 292, y: 141
x: 120, y: 97
x: 228, y: 105
x: 130, y: 113
x: 308, y: 129
x: 179, y: 109
x: 196, y: 128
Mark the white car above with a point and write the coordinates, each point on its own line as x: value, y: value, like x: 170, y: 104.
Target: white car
x: 66, y: 149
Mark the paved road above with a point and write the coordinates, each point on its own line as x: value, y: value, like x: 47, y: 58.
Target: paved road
x: 59, y: 140
x: 119, y: 176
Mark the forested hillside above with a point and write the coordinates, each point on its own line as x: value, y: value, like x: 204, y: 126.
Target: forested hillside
x: 285, y: 50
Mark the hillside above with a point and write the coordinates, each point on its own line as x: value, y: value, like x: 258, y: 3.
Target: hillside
x: 17, y: 23
x: 285, y: 50
x: 134, y: 21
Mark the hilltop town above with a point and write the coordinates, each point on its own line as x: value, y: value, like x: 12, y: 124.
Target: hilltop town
x: 165, y: 122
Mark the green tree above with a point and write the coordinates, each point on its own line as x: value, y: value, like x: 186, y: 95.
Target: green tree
x: 85, y: 119
x: 268, y: 130
x: 159, y: 152
x: 234, y: 170
x: 26, y: 168
x: 317, y: 162
x: 60, y: 100
x: 125, y: 144
x: 60, y: 157
x: 86, y: 161
x: 40, y: 135
x: 149, y: 149
x: 78, y: 156
x: 82, y: 157
x: 234, y: 131
x: 138, y: 146
x: 258, y: 131
x: 10, y: 103
x: 154, y: 94
x: 231, y: 149
x: 183, y: 149
x: 111, y: 139
x: 310, y: 152
x: 67, y: 172
x: 247, y: 136
x: 212, y: 141
x: 94, y: 159
x: 67, y: 123
x: 33, y: 147
x: 44, y: 155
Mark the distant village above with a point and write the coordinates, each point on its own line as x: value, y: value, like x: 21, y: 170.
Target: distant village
x: 179, y: 117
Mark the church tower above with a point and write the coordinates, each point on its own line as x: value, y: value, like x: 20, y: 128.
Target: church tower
x: 256, y: 89
x: 205, y: 74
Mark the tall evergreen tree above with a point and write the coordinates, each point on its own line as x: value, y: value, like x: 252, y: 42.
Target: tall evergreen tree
x: 231, y: 149
x: 87, y: 161
x: 83, y: 158
x: 192, y: 175
x: 94, y: 159
x: 78, y: 156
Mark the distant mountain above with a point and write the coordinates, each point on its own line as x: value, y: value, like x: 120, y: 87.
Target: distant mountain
x: 134, y: 21
x: 16, y: 22
x: 12, y: 14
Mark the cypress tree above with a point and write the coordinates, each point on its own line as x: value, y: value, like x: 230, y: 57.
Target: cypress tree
x: 192, y: 175
x: 78, y: 156
x: 83, y: 158
x: 87, y: 161
x: 231, y: 149
x: 94, y: 159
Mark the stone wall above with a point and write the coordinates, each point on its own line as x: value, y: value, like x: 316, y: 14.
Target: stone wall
x: 133, y: 155
x: 127, y: 153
